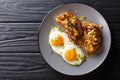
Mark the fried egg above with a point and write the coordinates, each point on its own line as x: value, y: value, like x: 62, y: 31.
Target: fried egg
x: 72, y: 54
x: 57, y: 40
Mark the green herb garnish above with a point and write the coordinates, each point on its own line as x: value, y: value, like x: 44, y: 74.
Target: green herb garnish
x: 62, y: 45
x: 56, y: 40
x: 78, y: 55
x: 51, y: 51
x: 92, y: 33
x: 48, y: 43
x: 52, y: 27
x: 50, y: 47
x: 75, y: 32
x: 73, y: 48
x: 48, y: 32
x: 60, y: 53
x: 82, y: 58
x: 59, y: 29
x: 82, y: 18
x: 77, y: 59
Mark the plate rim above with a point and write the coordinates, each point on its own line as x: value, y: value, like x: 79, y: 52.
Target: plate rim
x: 100, y: 63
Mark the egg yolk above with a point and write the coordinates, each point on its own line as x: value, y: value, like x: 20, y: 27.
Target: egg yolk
x: 58, y: 41
x: 70, y: 55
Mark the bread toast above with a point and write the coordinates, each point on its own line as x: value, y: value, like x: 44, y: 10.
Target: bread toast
x: 72, y: 26
x: 92, y: 37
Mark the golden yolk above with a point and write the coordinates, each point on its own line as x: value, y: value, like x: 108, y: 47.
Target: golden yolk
x: 57, y: 41
x: 70, y: 55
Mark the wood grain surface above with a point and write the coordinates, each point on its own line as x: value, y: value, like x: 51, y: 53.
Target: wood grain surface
x: 35, y: 10
x: 19, y: 37
x: 20, y: 58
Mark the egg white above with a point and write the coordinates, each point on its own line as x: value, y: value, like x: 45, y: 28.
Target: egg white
x: 60, y: 50
x: 80, y: 54
x: 53, y: 33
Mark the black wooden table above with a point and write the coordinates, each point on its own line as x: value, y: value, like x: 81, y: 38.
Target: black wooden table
x: 20, y: 58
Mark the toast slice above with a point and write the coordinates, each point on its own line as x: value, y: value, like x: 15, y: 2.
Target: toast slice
x: 92, y: 37
x: 72, y: 27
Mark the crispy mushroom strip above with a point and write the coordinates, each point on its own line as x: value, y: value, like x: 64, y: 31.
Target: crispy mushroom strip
x: 92, y: 37
x: 72, y: 27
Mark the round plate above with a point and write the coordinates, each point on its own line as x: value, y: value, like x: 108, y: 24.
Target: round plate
x: 54, y: 60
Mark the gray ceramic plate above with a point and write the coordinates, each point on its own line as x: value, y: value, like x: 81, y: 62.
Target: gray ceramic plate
x: 55, y: 61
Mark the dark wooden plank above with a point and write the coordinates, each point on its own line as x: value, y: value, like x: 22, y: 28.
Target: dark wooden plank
x: 20, y: 66
x: 110, y: 9
x: 22, y: 37
x: 35, y: 10
x: 29, y: 64
x: 27, y: 10
x: 25, y: 65
x: 19, y: 53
